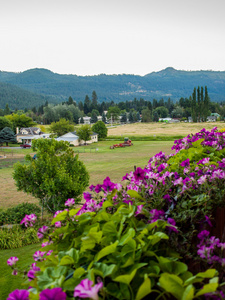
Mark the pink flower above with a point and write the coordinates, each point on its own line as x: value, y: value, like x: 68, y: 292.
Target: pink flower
x: 202, y: 179
x: 58, y: 224
x: 53, y: 294
x: 38, y: 255
x: 42, y: 231
x: 12, y: 261
x: 70, y: 202
x: 139, y: 210
x: 19, y: 295
x: 139, y: 174
x: 14, y: 272
x: 86, y: 290
x: 29, y: 220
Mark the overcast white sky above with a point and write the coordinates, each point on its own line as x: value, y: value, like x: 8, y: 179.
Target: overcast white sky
x: 89, y: 37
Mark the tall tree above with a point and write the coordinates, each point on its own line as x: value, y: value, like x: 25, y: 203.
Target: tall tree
x: 94, y: 99
x: 100, y: 128
x: 87, y: 104
x: 194, y: 106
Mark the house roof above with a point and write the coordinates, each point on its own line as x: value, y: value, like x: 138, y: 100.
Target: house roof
x: 30, y: 131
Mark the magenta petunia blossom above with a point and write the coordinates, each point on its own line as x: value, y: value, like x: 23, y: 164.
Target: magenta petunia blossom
x: 12, y: 261
x: 38, y: 255
x: 87, y: 196
x: 139, y: 174
x: 53, y: 294
x: 42, y: 231
x: 86, y: 290
x: 185, y: 163
x: 19, y: 295
x: 70, y: 202
x: 29, y: 220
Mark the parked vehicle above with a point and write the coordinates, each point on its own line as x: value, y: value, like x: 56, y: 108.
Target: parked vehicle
x: 25, y: 146
x: 126, y: 143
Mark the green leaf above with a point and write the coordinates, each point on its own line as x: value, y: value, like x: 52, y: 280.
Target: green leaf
x: 134, y: 194
x: 208, y: 288
x: 126, y: 278
x: 106, y: 251
x: 66, y: 260
x: 73, y: 212
x: 172, y: 284
x: 144, y: 289
x: 60, y: 217
x: 78, y: 272
x: 104, y: 269
x: 127, y: 236
x: 188, y: 293
x: 210, y: 273
x: 107, y: 204
x: 109, y: 228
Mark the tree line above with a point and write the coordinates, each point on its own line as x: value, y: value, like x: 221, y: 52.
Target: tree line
x: 198, y: 106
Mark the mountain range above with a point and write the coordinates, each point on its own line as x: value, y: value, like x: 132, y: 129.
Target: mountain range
x: 43, y: 84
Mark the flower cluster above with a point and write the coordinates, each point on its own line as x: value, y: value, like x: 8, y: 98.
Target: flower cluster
x: 210, y: 248
x: 29, y: 220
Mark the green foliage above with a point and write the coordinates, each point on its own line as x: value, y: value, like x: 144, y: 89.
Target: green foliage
x: 61, y: 127
x: 7, y: 136
x: 84, y: 133
x: 16, y: 237
x: 132, y: 258
x: 20, y: 121
x: 15, y: 214
x: 4, y: 122
x: 54, y: 176
x: 100, y: 129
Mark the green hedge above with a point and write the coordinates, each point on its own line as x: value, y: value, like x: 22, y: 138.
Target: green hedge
x: 15, y: 214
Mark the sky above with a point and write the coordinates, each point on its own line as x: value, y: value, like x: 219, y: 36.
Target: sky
x: 91, y: 37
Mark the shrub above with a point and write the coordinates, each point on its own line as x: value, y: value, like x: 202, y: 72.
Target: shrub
x: 15, y: 214
x: 136, y: 240
x: 16, y: 237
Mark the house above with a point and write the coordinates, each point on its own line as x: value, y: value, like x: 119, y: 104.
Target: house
x: 73, y: 138
x: 87, y: 120
x: 26, y: 135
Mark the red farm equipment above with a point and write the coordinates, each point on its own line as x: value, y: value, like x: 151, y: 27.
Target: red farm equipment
x: 126, y: 143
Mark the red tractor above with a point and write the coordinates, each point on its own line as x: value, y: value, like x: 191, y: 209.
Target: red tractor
x: 126, y: 143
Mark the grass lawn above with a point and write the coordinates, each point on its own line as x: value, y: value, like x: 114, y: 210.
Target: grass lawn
x: 8, y: 282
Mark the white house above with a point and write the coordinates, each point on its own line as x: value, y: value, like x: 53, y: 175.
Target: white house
x: 26, y: 135
x: 73, y: 138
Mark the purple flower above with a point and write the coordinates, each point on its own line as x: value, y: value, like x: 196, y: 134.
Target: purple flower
x: 29, y: 220
x: 19, y: 295
x: 203, y: 234
x: 12, y: 261
x: 207, y: 220
x: 70, y: 202
x: 156, y: 215
x: 86, y: 290
x: 42, y: 231
x: 31, y: 275
x: 185, y: 163
x: 167, y: 197
x: 202, y: 179
x: 38, y: 255
x: 171, y: 222
x: 108, y: 185
x: 91, y: 187
x: 87, y: 196
x: 139, y: 210
x: 58, y: 224
x: 139, y: 174
x: 98, y: 188
x: 53, y: 294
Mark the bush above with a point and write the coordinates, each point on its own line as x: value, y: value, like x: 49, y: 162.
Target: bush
x: 140, y: 240
x: 17, y: 237
x: 15, y: 214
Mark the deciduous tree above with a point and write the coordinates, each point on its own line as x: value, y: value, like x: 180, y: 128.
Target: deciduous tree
x: 54, y: 176
x: 61, y: 127
x: 100, y: 128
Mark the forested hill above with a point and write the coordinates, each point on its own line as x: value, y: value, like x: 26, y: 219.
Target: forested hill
x: 166, y: 83
x: 18, y: 98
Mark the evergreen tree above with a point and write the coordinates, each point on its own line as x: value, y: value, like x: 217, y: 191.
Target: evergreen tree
x: 82, y: 120
x: 94, y: 101
x: 7, y: 111
x: 81, y: 106
x: 206, y: 104
x: 123, y: 118
x: 7, y: 136
x: 131, y: 118
x: 87, y: 105
x: 103, y: 117
x: 194, y: 106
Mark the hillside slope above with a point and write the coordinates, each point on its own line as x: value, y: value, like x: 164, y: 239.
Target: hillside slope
x: 166, y: 83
